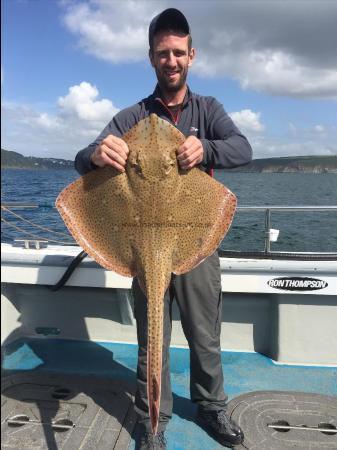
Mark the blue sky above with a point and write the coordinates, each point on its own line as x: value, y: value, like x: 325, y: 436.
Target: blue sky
x: 68, y: 66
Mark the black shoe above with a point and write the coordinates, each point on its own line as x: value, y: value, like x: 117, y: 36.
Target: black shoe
x: 220, y: 427
x: 148, y: 441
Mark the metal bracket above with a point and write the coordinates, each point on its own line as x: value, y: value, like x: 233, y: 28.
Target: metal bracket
x: 34, y: 242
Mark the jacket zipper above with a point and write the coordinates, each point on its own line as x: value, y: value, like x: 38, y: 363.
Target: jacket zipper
x: 174, y: 120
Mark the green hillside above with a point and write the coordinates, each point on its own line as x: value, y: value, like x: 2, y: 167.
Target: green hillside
x: 14, y: 160
x: 311, y: 164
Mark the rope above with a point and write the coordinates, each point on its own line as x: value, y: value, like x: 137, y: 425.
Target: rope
x: 34, y: 235
x: 32, y: 223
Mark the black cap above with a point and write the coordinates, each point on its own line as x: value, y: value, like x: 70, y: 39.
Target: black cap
x: 171, y: 18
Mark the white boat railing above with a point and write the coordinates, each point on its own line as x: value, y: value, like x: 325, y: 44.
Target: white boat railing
x: 268, y: 210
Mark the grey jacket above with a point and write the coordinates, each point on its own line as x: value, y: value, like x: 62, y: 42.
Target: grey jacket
x: 204, y: 117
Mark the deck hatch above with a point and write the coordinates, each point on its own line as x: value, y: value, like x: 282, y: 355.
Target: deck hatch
x: 41, y: 410
x: 285, y: 420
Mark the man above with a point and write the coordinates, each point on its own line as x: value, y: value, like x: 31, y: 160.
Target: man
x: 212, y: 141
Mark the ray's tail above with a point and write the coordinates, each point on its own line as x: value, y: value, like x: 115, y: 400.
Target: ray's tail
x: 155, y: 287
x: 154, y: 372
x: 154, y: 357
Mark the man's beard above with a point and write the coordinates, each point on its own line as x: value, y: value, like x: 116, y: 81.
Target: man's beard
x: 166, y: 86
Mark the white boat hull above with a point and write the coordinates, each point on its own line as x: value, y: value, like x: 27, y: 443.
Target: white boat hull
x: 284, y: 309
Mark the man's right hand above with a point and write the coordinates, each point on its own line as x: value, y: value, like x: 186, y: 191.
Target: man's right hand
x: 112, y: 151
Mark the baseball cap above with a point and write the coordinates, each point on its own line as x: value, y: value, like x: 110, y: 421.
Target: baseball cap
x: 170, y: 18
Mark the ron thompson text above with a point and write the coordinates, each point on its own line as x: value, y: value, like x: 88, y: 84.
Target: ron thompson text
x: 282, y: 283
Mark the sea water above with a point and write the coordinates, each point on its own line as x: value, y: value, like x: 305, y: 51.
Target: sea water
x: 299, y: 231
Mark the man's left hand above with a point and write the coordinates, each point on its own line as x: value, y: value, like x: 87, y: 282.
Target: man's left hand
x: 191, y: 153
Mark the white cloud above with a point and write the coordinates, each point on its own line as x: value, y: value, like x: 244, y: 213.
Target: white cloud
x: 81, y: 115
x: 46, y: 121
x: 299, y: 142
x: 79, y: 119
x: 113, y: 31
x: 81, y: 102
x: 274, y: 47
x: 247, y: 120
x: 277, y: 73
x: 62, y: 134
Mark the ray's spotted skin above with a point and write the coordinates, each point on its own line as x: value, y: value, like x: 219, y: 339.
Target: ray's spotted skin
x: 150, y: 221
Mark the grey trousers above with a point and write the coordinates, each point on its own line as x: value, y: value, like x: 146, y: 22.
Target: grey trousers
x: 198, y: 295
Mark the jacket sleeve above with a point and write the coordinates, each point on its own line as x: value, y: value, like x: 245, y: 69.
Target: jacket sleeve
x: 225, y: 146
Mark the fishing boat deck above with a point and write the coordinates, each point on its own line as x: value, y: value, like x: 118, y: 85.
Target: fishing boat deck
x: 44, y: 377
x: 64, y: 388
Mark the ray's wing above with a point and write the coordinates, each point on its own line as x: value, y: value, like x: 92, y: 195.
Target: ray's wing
x: 200, y: 232
x: 98, y: 211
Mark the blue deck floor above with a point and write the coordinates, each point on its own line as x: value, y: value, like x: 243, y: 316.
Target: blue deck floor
x: 243, y: 372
